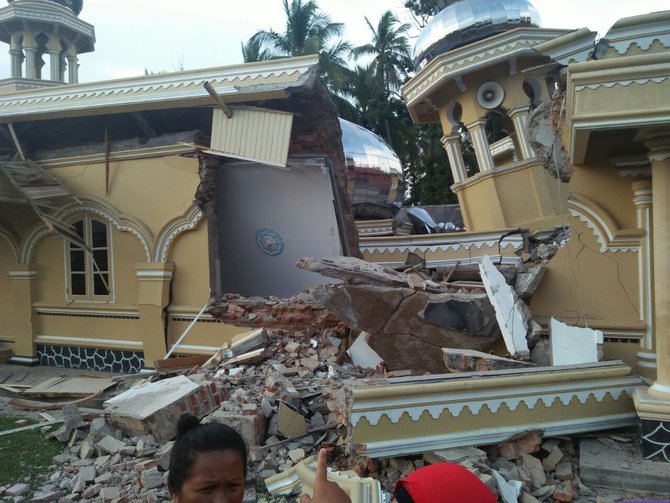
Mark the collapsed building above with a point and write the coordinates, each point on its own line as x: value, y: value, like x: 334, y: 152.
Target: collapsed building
x: 168, y: 211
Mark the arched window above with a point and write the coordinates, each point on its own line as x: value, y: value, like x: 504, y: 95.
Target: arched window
x: 90, y: 272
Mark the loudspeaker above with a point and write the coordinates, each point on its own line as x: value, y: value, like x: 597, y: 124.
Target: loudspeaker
x: 490, y: 95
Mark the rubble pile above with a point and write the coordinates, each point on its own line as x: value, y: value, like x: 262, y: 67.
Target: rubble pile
x: 287, y: 403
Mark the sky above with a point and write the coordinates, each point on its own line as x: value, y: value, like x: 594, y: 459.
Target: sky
x: 167, y: 35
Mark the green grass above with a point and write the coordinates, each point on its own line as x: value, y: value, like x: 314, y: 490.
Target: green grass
x: 27, y: 454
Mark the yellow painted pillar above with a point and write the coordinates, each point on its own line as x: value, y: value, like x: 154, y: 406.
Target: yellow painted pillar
x: 519, y: 118
x: 653, y: 404
x: 480, y: 143
x: 660, y: 179
x: 646, y: 357
x: 452, y: 144
x: 23, y: 282
x: 153, y: 297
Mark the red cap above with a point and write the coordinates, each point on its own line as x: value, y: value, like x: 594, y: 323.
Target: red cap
x: 446, y: 483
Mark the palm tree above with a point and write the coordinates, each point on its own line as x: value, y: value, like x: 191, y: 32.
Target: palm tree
x: 253, y: 50
x: 389, y: 49
x: 308, y: 31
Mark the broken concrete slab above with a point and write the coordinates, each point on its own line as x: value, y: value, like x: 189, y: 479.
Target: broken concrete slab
x: 154, y: 408
x: 396, y: 320
x: 290, y: 422
x: 354, y: 271
x: 362, y: 355
x: 250, y: 425
x: 467, y: 360
x: 249, y: 341
x: 528, y: 280
x: 573, y: 345
x: 512, y: 320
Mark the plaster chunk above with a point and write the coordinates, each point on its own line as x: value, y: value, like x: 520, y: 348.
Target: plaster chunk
x: 511, y: 320
x: 362, y: 355
x: 573, y: 345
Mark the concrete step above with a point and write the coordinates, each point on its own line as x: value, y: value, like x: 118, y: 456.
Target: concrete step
x: 607, y: 463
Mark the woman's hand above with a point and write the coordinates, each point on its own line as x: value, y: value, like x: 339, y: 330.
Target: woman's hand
x: 325, y: 491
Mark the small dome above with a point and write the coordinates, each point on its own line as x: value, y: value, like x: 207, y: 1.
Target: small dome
x: 465, y: 21
x: 374, y: 172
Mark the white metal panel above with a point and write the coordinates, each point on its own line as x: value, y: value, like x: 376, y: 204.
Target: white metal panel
x: 254, y: 134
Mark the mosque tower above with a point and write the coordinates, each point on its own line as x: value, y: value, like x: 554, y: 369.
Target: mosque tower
x: 45, y: 38
x: 474, y: 62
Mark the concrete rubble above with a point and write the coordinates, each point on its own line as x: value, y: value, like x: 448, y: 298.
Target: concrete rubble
x: 286, y: 387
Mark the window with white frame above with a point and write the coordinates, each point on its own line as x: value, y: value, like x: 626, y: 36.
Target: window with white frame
x: 89, y: 273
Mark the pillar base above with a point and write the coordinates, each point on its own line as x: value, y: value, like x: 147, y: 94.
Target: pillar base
x: 26, y: 361
x: 654, y: 425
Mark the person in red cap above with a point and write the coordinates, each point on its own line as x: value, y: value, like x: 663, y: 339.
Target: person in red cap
x: 442, y: 483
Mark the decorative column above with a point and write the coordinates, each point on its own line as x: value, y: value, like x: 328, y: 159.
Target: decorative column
x: 480, y: 143
x: 30, y: 50
x: 643, y: 203
x: 54, y: 49
x: 520, y: 119
x: 653, y: 404
x: 72, y: 67
x: 22, y: 284
x: 153, y: 297
x: 15, y: 52
x: 452, y: 144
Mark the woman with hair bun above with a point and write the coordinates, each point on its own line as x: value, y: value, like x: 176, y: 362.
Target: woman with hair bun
x: 208, y: 463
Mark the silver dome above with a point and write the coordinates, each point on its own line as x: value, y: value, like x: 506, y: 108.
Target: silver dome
x: 466, y: 21
x: 374, y: 173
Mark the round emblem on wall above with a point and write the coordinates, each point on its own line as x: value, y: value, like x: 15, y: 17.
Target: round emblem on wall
x: 270, y: 242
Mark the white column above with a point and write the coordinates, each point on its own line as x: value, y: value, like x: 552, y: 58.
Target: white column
x: 480, y: 143
x: 73, y: 69
x: 31, y: 69
x: 54, y: 65
x: 452, y: 144
x: 643, y: 204
x: 520, y: 119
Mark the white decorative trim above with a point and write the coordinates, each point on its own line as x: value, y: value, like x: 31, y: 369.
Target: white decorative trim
x: 54, y: 340
x: 79, y: 311
x: 90, y: 206
x: 25, y: 360
x: 623, y: 83
x: 125, y: 155
x: 488, y: 436
x: 493, y: 399
x: 187, y: 222
x: 443, y: 242
x: 51, y: 12
x: 602, y: 230
x: 158, y: 90
x: 188, y: 347
x: 154, y: 275
x: 468, y: 59
x: 661, y: 388
x: 13, y: 244
x: 23, y: 274
x: 497, y: 259
x: 647, y: 360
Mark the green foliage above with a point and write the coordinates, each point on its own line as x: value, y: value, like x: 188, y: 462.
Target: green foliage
x: 423, y: 10
x: 25, y: 455
x: 367, y: 95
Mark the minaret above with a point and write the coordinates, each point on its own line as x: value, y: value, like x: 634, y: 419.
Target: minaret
x: 45, y: 38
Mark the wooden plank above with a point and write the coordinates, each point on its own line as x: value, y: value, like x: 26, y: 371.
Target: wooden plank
x: 10, y: 389
x: 36, y: 405
x: 47, y: 417
x: 31, y: 427
x: 74, y: 387
x: 182, y: 362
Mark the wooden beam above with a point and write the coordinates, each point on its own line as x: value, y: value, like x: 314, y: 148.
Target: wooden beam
x: 219, y: 100
x: 31, y: 427
x: 144, y: 125
x: 16, y: 141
